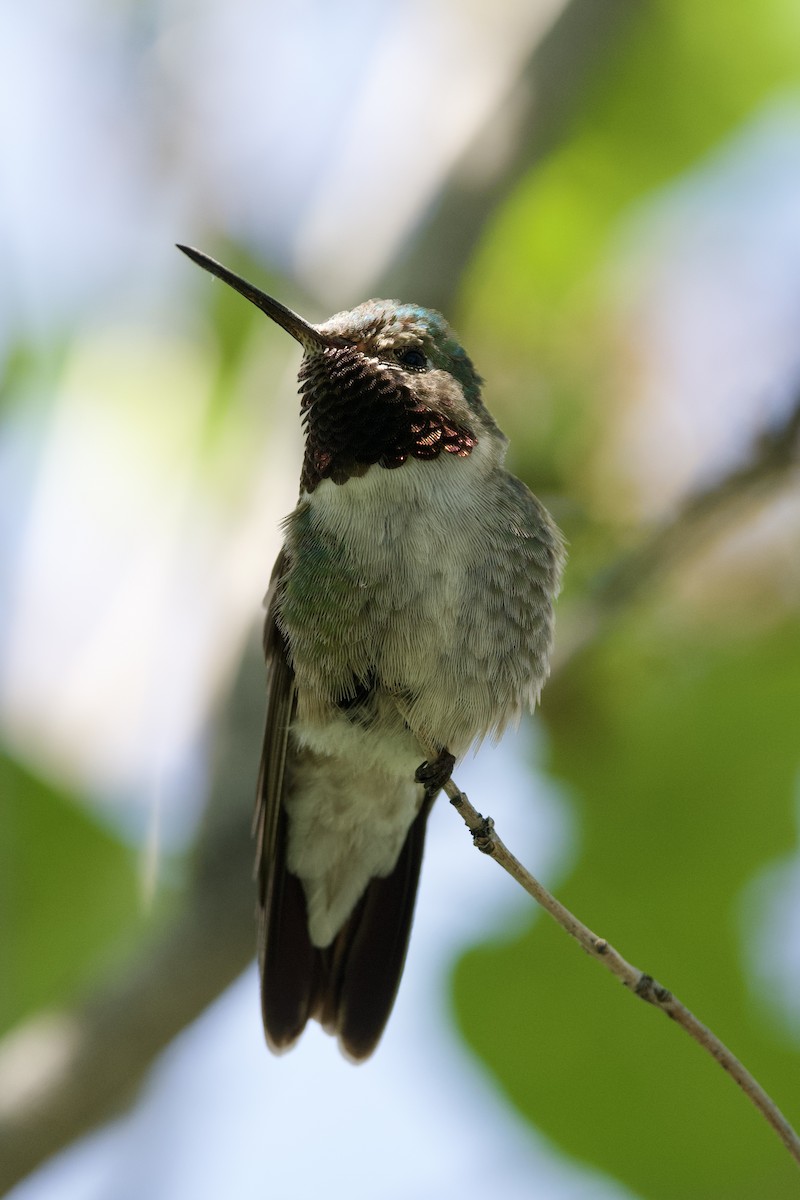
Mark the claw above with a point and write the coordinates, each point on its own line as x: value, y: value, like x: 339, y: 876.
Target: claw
x: 435, y: 774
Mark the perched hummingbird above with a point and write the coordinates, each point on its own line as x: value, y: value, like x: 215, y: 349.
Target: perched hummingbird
x: 409, y: 614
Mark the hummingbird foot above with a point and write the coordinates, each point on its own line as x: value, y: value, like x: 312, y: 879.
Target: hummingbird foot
x: 435, y: 774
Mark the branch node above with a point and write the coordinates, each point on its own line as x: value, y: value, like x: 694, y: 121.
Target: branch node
x: 650, y: 990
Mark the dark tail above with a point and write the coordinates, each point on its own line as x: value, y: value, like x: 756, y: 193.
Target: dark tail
x: 350, y: 986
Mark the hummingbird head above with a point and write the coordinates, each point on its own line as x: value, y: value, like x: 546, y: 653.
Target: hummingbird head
x: 380, y: 384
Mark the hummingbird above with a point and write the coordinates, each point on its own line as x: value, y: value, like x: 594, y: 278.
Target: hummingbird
x: 409, y: 615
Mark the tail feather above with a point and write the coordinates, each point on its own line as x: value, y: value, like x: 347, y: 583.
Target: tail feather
x: 351, y: 985
x: 377, y: 942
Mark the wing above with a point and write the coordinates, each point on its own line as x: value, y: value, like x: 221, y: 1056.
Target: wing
x: 350, y: 986
x: 286, y: 957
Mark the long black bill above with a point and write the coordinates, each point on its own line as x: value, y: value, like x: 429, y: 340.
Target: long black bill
x: 308, y: 337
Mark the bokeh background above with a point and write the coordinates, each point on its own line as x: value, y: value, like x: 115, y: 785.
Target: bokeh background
x: 604, y: 198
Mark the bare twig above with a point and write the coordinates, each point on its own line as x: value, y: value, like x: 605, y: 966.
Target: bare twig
x: 642, y: 985
x: 125, y: 1025
x: 117, y: 1032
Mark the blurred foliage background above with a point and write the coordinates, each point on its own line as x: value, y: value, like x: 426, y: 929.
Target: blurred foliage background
x: 604, y: 197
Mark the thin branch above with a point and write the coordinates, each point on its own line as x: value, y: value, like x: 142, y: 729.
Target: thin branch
x: 773, y: 459
x: 774, y: 453
x: 120, y: 1029
x: 116, y: 1033
x: 485, y: 838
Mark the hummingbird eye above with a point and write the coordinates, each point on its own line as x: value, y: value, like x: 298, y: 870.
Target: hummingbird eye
x: 411, y: 358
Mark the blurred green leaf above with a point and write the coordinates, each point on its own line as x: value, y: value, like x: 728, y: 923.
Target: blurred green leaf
x: 683, y: 757
x: 682, y: 754
x: 682, y: 78
x: 68, y: 890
